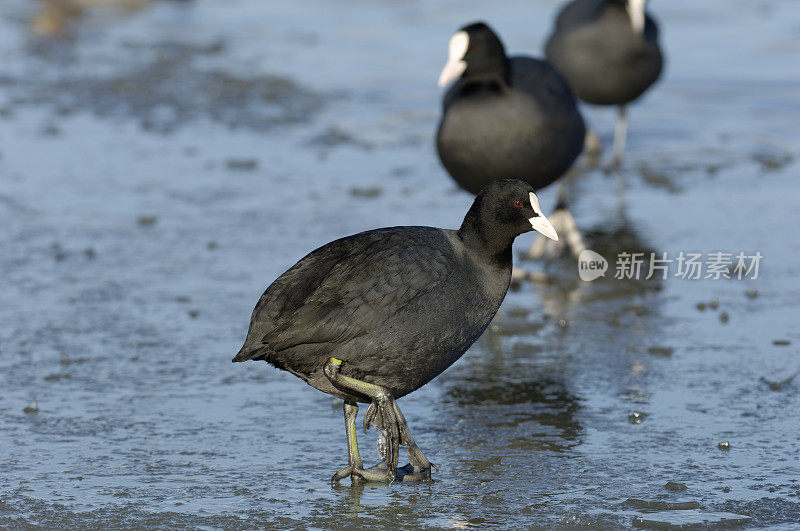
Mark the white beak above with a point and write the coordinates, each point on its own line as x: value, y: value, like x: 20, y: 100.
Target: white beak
x: 455, y: 66
x: 635, y: 10
x: 540, y: 223
x: 451, y: 71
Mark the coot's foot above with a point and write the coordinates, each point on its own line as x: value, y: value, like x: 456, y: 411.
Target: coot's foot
x: 385, y: 415
x: 375, y: 474
x: 613, y: 166
x: 564, y: 224
x: 378, y: 417
x: 379, y: 474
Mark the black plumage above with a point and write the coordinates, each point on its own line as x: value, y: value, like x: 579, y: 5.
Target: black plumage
x: 608, y: 50
x: 606, y: 60
x: 395, y: 306
x: 505, y: 117
x: 398, y: 304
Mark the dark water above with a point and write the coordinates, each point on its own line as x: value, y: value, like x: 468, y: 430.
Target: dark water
x: 160, y: 166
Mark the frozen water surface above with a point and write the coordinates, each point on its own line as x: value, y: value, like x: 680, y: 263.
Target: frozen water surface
x: 159, y: 167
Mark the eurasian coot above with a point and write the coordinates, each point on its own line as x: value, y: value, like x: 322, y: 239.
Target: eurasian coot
x: 608, y: 51
x: 507, y: 118
x: 504, y: 117
x: 377, y: 315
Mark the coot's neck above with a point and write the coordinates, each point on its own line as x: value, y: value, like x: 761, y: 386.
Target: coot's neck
x: 494, y: 72
x: 485, y: 238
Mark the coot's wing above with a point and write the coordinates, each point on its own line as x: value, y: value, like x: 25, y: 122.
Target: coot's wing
x: 349, y: 287
x: 542, y: 79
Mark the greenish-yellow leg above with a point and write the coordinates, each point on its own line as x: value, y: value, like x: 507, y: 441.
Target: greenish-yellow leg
x: 384, y: 413
x: 355, y: 468
x: 620, y: 135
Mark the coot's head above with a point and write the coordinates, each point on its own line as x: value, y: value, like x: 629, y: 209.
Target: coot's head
x: 501, y: 212
x: 474, y: 51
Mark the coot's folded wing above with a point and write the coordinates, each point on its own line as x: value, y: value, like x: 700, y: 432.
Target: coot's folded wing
x: 349, y: 288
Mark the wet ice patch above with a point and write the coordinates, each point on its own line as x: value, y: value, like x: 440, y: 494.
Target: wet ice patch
x: 163, y: 87
x: 690, y: 518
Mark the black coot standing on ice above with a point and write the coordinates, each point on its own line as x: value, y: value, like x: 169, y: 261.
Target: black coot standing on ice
x: 377, y: 315
x: 507, y: 118
x: 608, y: 51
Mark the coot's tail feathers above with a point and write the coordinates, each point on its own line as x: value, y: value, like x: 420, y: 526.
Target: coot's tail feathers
x: 249, y: 353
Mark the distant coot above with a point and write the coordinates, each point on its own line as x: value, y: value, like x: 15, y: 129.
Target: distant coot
x: 608, y: 51
x: 504, y: 117
x: 374, y: 316
x: 508, y: 118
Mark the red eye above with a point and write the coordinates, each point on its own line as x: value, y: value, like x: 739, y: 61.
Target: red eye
x: 518, y: 203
